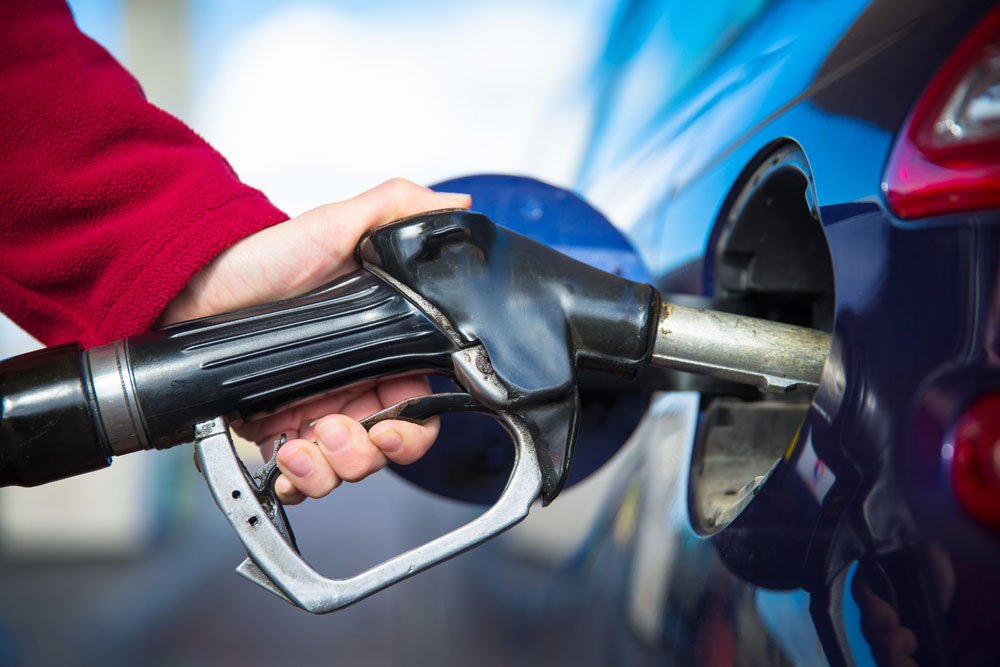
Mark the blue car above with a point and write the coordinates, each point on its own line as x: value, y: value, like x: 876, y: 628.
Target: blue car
x: 828, y: 165
x: 837, y: 166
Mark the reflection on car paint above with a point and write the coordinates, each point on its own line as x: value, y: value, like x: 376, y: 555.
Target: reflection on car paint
x: 814, y: 472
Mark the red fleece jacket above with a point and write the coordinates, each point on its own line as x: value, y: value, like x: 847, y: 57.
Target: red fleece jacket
x: 108, y: 205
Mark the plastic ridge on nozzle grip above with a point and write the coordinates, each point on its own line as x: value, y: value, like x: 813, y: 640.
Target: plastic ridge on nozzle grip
x: 262, y: 358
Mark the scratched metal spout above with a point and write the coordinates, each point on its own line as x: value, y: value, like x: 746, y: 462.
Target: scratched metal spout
x: 772, y: 356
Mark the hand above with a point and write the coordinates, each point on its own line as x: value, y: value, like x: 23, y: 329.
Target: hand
x: 326, y: 444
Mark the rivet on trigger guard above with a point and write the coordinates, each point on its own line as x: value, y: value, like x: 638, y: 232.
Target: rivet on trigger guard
x: 205, y: 429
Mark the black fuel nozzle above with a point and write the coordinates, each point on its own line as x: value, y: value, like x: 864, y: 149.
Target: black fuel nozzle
x: 540, y: 315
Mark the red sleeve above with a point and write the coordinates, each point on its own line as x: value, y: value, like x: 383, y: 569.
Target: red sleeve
x: 108, y: 205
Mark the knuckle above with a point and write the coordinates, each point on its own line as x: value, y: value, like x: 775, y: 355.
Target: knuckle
x: 319, y: 487
x: 405, y: 456
x: 431, y: 429
x: 358, y: 467
x: 353, y: 473
x: 398, y: 184
x: 423, y: 436
x: 318, y: 491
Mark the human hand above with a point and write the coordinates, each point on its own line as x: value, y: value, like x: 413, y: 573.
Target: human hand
x: 326, y: 444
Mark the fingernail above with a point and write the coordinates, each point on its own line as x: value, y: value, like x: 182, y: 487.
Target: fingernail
x: 388, y: 441
x: 333, y: 435
x: 456, y: 195
x: 298, y: 463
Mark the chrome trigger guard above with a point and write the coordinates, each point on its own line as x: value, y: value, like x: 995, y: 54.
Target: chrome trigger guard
x: 274, y: 563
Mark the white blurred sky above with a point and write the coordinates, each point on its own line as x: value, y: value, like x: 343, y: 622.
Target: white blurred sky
x: 317, y: 103
x: 313, y: 102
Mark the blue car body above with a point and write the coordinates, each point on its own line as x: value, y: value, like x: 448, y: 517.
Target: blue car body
x: 857, y: 521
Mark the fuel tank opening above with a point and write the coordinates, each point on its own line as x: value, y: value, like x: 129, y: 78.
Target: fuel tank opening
x: 771, y: 260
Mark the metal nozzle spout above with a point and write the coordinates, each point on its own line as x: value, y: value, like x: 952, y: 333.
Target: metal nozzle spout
x: 772, y: 356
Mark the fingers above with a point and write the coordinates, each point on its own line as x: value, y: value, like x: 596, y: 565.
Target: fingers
x: 399, y: 389
x: 404, y: 442
x: 306, y: 469
x: 286, y: 492
x: 266, y: 429
x: 399, y: 198
x: 343, y: 450
x: 349, y: 451
x: 336, y: 447
x: 416, y: 439
x: 354, y: 453
x: 319, y: 244
x: 399, y: 441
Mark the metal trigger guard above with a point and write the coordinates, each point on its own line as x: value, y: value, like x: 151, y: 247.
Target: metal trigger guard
x: 273, y: 560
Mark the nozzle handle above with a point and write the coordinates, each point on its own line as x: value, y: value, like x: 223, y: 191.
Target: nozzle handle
x: 260, y: 359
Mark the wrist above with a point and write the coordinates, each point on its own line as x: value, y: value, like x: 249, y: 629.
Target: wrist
x: 224, y: 284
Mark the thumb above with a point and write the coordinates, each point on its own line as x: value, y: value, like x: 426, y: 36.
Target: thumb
x: 396, y: 198
x: 303, y: 253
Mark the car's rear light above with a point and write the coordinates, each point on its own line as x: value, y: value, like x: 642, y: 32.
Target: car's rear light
x: 947, y: 158
x: 975, y: 466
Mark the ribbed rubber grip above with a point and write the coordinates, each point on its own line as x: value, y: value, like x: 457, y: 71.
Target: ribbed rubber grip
x: 263, y: 358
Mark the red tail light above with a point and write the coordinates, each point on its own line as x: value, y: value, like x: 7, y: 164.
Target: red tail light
x: 975, y: 468
x: 947, y: 158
